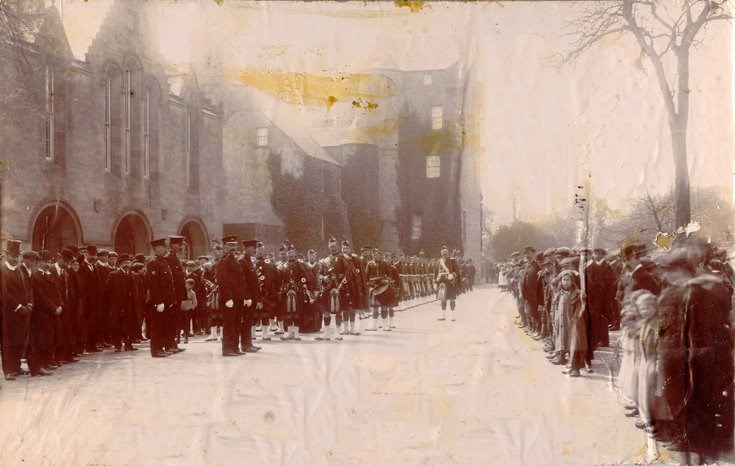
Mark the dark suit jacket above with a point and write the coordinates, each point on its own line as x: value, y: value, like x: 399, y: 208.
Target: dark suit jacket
x: 161, y: 282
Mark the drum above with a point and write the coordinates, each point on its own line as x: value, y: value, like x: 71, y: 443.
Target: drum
x: 385, y: 294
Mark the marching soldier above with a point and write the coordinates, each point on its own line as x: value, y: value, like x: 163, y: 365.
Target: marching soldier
x: 357, y: 297
x: 447, y: 273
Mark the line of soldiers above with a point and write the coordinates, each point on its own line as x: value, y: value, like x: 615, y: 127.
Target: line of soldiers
x: 674, y: 309
x: 56, y: 308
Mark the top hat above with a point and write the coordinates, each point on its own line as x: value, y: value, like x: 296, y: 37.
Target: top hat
x: 12, y: 247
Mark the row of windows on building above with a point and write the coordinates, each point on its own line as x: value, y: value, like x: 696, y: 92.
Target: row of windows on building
x: 433, y: 162
x: 128, y: 119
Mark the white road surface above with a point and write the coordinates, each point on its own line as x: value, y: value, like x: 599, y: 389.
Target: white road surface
x: 472, y: 392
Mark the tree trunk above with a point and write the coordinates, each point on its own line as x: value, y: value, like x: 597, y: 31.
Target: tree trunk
x: 683, y: 213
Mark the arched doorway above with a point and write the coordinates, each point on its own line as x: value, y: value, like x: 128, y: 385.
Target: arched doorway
x: 132, y: 234
x: 55, y: 227
x: 197, y: 241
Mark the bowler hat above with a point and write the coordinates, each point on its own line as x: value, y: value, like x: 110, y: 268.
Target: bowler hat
x: 123, y: 257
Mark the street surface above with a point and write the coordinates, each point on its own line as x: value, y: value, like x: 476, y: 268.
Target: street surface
x: 477, y: 391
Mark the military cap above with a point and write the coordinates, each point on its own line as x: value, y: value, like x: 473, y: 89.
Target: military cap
x: 124, y: 257
x: 176, y: 239
x: 12, y: 247
x: 190, y: 264
x: 103, y: 252
x: 159, y: 242
x: 203, y: 257
x: 45, y: 255
x: 73, y: 248
x: 563, y: 251
x: 229, y: 239
x: 250, y: 243
x: 113, y: 254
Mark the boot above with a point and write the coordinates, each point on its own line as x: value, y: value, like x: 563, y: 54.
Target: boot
x: 386, y: 327
x: 352, y: 329
x: 213, y: 334
x: 280, y: 328
x: 265, y: 336
x: 344, y: 328
x: 390, y: 322
x: 296, y: 333
x: 286, y: 336
x: 337, y: 333
x: 375, y: 326
x: 444, y: 315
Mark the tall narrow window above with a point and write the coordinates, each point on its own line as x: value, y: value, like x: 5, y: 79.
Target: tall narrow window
x: 464, y: 225
x: 108, y: 124
x: 146, y: 135
x: 187, y: 148
x: 427, y: 79
x: 433, y: 166
x: 437, y: 117
x: 416, y: 227
x: 262, y: 137
x: 49, y: 113
x: 127, y: 99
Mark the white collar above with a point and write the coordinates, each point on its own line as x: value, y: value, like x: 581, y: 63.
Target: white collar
x: 58, y: 269
x: 11, y: 267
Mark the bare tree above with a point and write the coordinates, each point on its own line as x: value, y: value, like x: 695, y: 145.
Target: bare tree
x: 665, y: 31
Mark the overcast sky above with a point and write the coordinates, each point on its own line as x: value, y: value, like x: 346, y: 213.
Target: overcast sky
x: 544, y: 127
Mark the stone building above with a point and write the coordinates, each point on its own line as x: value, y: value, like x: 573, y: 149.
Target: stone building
x: 103, y: 145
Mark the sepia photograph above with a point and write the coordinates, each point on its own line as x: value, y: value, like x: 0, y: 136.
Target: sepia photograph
x: 411, y: 233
